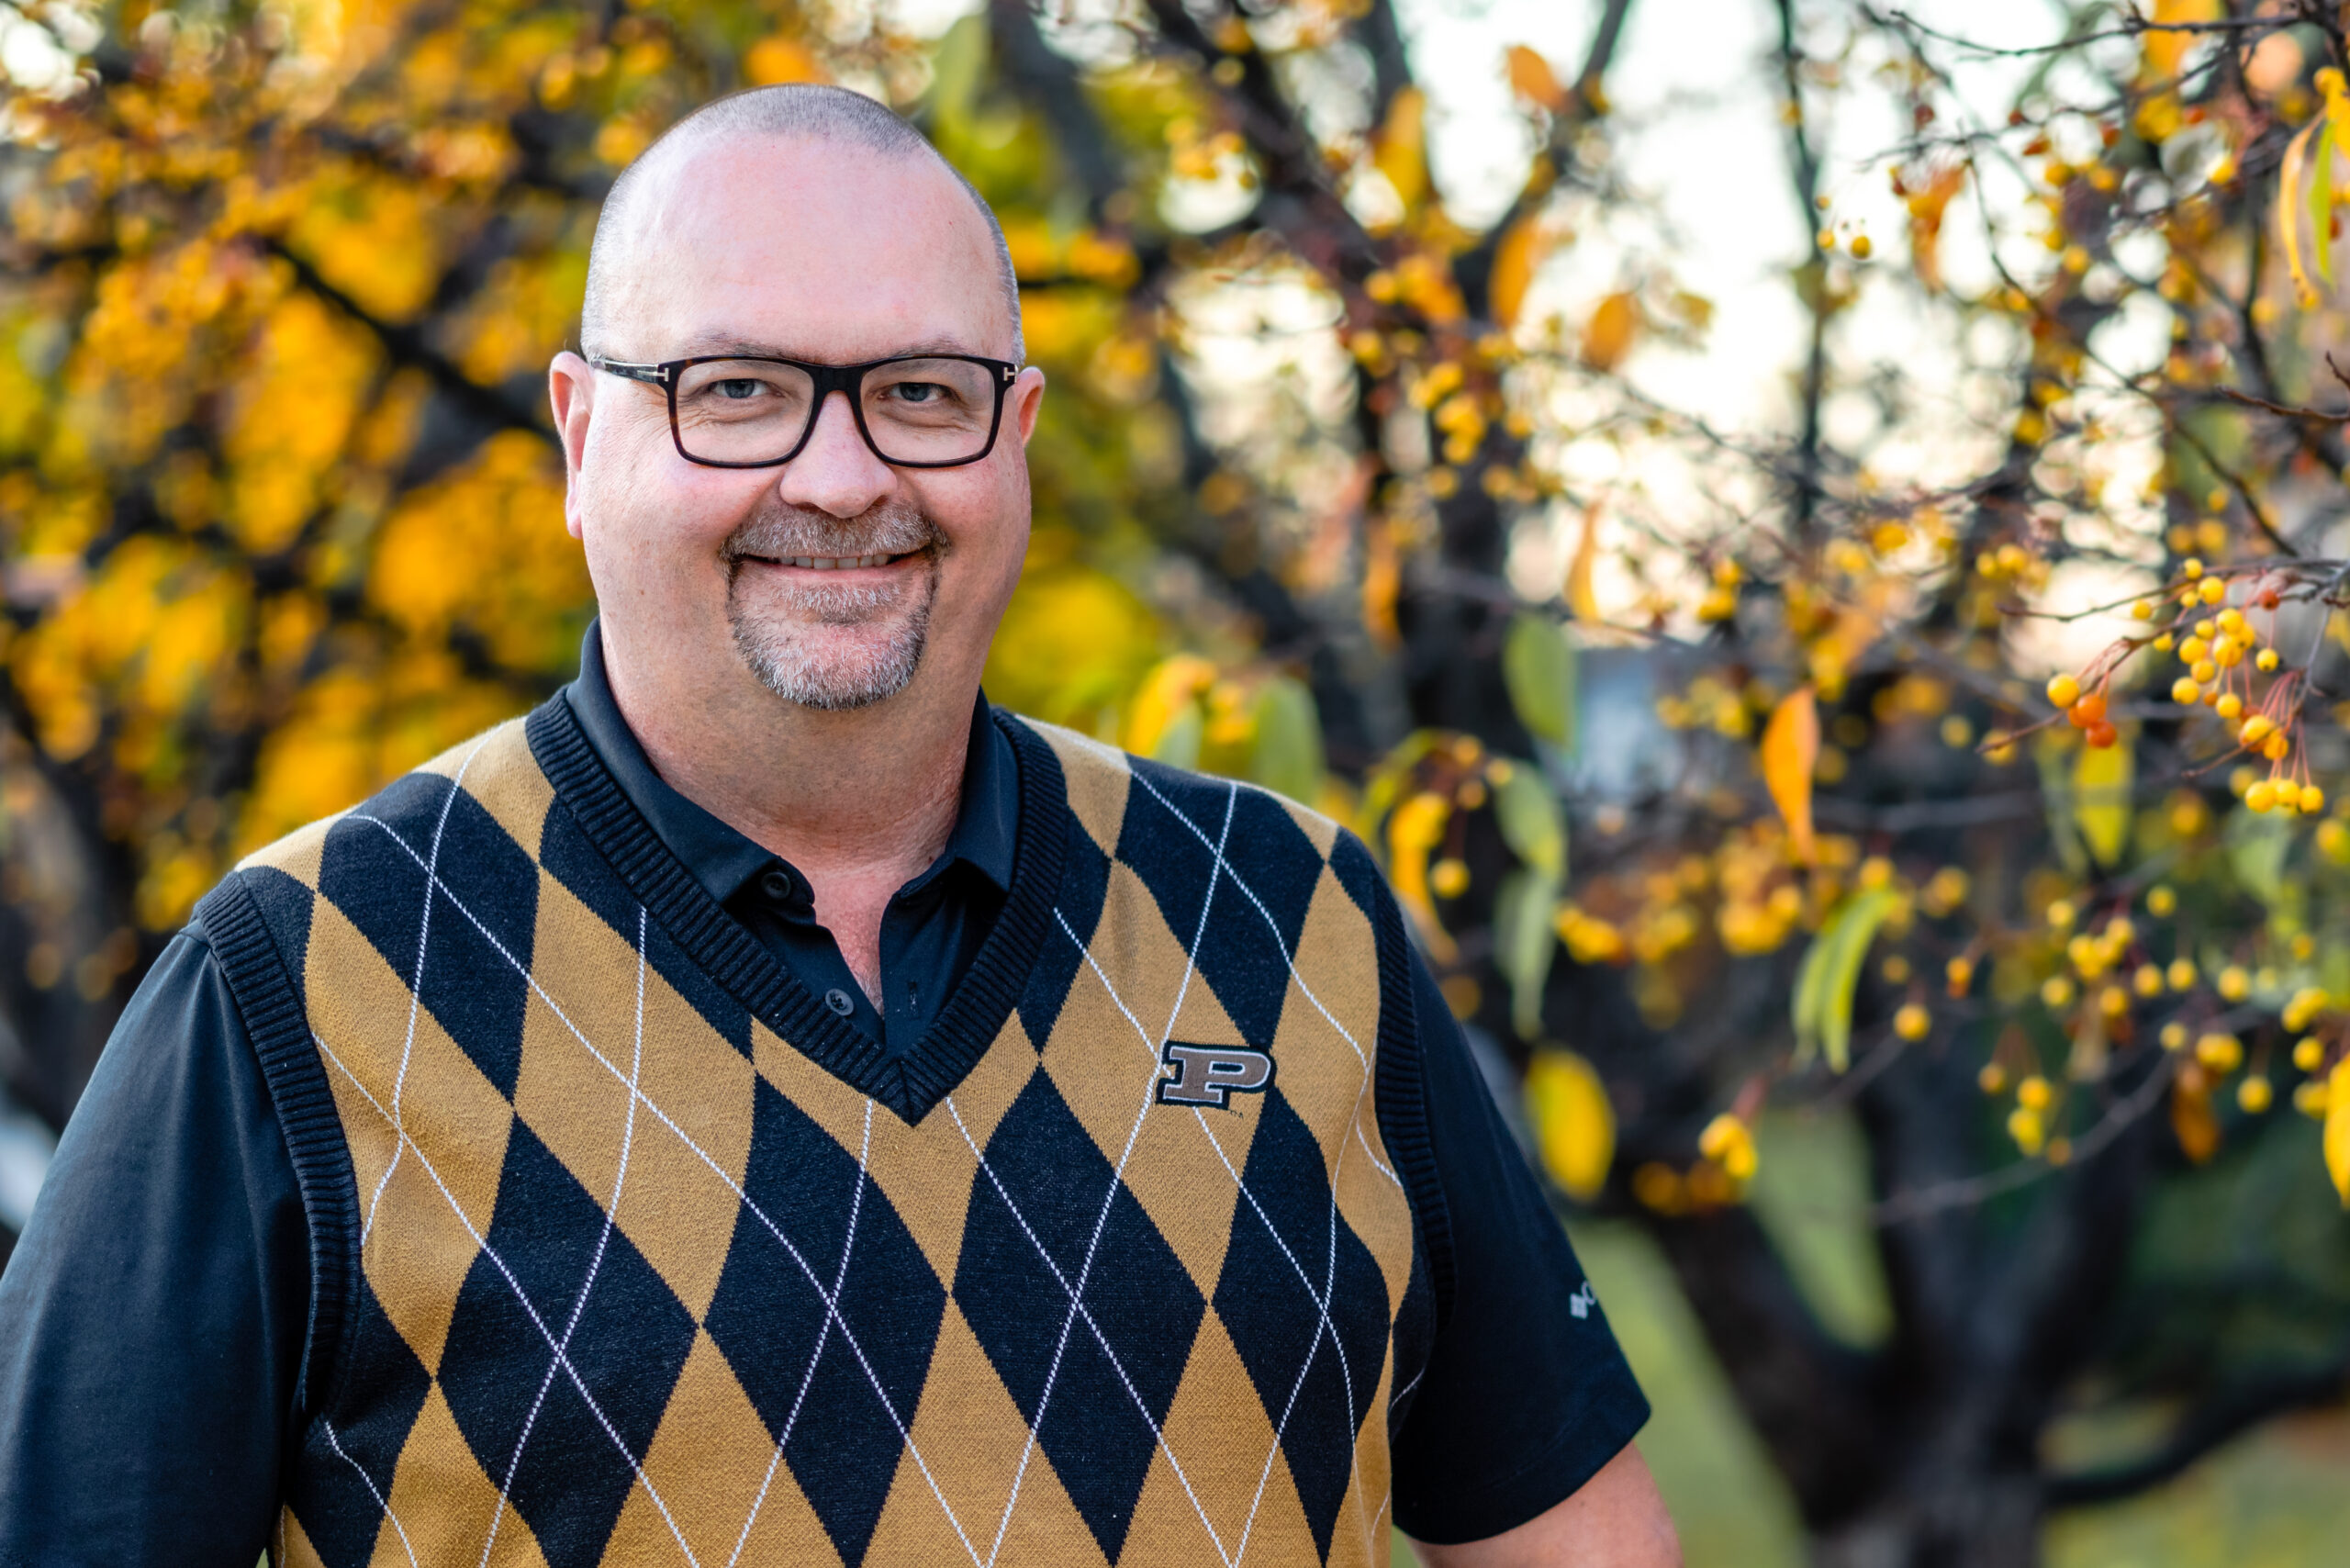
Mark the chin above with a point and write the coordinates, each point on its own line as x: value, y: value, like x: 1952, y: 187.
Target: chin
x: 830, y: 667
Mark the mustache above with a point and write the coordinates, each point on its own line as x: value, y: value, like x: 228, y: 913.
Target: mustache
x: 779, y: 531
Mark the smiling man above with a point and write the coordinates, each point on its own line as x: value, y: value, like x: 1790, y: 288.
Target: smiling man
x: 767, y: 1106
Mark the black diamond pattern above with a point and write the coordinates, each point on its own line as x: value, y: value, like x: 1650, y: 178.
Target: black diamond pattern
x: 338, y: 1487
x: 628, y: 1348
x: 840, y: 1441
x: 1317, y: 1384
x: 1137, y: 1294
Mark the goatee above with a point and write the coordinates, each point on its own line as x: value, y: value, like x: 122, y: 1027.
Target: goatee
x: 834, y: 646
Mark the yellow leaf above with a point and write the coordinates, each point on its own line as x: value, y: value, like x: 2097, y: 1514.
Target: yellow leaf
x: 1531, y: 78
x: 2337, y: 1130
x: 779, y: 59
x: 1169, y: 692
x: 2165, y: 43
x: 2192, y: 1123
x: 1607, y: 336
x: 1521, y: 251
x: 1414, y: 828
x: 2289, y: 180
x: 1581, y: 598
x: 1790, y: 748
x: 1574, y: 1126
x: 1401, y: 147
x: 2102, y: 779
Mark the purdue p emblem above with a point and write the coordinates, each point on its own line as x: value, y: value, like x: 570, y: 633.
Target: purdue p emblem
x: 1211, y: 1075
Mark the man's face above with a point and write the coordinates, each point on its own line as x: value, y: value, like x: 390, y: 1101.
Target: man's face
x: 836, y: 580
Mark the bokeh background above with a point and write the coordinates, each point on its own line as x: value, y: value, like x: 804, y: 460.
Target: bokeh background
x: 1665, y: 474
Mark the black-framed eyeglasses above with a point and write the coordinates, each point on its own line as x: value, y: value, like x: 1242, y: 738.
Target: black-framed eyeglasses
x: 748, y: 412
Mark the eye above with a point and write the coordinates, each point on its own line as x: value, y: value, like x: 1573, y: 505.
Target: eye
x: 918, y: 392
x: 737, y: 388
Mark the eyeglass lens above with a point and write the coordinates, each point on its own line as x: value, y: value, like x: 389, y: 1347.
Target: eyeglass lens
x: 917, y: 410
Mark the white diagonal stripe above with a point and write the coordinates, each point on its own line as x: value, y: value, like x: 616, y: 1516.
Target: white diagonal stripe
x: 381, y: 1501
x: 603, y: 1240
x: 416, y: 983
x: 823, y: 1329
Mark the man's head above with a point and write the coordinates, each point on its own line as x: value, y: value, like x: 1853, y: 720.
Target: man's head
x: 805, y: 223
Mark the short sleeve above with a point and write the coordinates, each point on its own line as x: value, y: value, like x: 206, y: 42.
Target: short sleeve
x: 152, y: 1318
x: 1524, y: 1395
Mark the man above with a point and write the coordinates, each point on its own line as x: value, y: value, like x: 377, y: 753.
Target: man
x: 768, y: 1106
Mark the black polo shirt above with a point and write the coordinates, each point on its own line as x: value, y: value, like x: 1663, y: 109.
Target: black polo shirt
x: 153, y: 1317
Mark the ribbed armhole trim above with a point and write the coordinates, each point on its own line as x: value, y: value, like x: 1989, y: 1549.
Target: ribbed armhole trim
x: 908, y: 1085
x: 270, y: 1004
x: 1403, y: 1101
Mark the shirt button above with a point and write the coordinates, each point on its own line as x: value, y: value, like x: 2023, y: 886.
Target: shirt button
x: 776, y: 885
x: 837, y: 1000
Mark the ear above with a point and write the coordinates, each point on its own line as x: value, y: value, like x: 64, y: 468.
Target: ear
x: 1027, y: 397
x: 571, y: 390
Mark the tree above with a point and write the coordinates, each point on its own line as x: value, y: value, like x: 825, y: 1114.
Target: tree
x: 282, y: 519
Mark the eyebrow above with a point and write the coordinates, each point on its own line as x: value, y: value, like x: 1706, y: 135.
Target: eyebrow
x: 700, y: 343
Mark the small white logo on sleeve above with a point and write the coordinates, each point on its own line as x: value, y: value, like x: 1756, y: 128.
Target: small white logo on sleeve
x: 1582, y: 1301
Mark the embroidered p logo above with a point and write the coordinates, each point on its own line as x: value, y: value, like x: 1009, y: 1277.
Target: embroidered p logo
x: 1211, y: 1075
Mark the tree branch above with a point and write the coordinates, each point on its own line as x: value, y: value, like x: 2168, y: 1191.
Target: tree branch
x: 2226, y: 1414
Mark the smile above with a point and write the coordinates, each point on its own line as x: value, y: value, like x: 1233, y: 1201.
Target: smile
x: 833, y: 562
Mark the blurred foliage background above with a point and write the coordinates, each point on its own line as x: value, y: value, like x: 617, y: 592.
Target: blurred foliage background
x: 1855, y: 738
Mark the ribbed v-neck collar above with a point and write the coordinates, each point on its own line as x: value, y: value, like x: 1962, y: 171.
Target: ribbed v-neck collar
x: 908, y: 1083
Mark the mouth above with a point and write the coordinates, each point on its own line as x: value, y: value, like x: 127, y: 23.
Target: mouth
x: 833, y: 562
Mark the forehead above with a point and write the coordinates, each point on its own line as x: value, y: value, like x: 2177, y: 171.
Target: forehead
x: 810, y: 247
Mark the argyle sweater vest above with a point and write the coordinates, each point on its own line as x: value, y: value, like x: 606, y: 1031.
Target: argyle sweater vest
x: 625, y: 1250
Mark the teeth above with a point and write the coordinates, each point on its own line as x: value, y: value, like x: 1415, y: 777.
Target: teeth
x: 836, y: 563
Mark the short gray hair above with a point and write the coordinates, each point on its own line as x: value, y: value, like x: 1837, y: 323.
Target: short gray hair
x: 798, y: 111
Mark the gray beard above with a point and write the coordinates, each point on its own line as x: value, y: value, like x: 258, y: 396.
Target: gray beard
x: 803, y: 669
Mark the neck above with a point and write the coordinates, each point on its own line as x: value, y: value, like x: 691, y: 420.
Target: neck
x: 860, y: 803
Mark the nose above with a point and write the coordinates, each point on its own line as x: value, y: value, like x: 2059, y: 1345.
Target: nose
x: 835, y: 472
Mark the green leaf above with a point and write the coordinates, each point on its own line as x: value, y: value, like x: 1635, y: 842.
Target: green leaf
x: 2103, y: 781
x: 1532, y: 823
x: 1539, y: 668
x: 1178, y: 744
x: 1525, y: 941
x: 1288, y: 754
x: 1831, y: 972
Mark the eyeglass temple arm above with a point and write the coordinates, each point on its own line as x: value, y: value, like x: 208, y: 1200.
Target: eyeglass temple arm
x: 656, y: 374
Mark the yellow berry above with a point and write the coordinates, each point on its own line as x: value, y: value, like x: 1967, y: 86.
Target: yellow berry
x: 2220, y: 1053
x: 2147, y: 981
x: 2174, y: 1036
x: 2056, y: 991
x: 2184, y: 692
x: 2261, y: 797
x: 2309, y: 1055
x: 2254, y: 1094
x: 2234, y: 983
x: 1449, y: 878
x: 2163, y: 643
x: 2064, y: 690
x: 2190, y: 568
x: 2195, y: 650
x: 2313, y: 800
x: 2143, y: 611
x: 2230, y: 706
x: 2060, y: 915
x: 2213, y: 590
x: 1912, y: 1021
x: 2024, y: 1125
x: 2205, y: 671
x: 1861, y: 247
x: 2257, y: 729
x: 2181, y: 974
x: 2161, y: 899
x: 2232, y: 620
x: 2276, y: 748
x: 1960, y: 974
x: 2266, y: 659
x: 1992, y: 1079
x: 2033, y: 1093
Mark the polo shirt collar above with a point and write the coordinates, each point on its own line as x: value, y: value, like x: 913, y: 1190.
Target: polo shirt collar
x: 721, y: 858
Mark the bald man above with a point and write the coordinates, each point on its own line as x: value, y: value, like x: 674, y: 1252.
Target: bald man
x: 769, y: 1106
